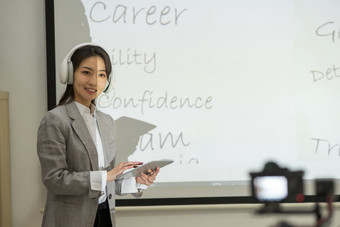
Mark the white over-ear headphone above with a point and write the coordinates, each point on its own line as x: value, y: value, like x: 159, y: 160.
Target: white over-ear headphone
x: 66, y: 68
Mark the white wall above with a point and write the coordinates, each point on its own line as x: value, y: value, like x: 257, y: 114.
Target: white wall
x: 23, y: 74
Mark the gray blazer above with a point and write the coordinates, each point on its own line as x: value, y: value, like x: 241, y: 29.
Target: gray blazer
x: 67, y: 155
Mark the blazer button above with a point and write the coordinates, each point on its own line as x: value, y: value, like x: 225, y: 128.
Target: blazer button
x: 110, y: 196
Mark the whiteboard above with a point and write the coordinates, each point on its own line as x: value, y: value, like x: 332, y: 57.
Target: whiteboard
x: 220, y: 87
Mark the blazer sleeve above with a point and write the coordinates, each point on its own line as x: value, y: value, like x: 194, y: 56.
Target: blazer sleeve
x: 51, y: 148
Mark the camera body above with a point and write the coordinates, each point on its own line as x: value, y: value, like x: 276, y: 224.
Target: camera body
x: 276, y: 185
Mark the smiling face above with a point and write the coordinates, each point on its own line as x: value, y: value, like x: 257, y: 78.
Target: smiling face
x: 89, y: 80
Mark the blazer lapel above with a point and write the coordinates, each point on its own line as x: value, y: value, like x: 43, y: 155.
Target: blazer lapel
x: 81, y: 130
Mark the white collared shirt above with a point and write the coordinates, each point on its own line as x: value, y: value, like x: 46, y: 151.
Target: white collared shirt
x: 98, y: 178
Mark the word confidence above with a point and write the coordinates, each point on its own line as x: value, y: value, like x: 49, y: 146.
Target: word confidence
x: 327, y: 29
x: 326, y: 145
x: 124, y: 14
x: 122, y: 57
x: 329, y: 74
x: 162, y: 102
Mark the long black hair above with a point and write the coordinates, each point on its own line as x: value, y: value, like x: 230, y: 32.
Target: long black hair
x: 78, y: 56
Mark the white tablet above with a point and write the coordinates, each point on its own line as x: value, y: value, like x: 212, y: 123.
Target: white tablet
x: 144, y: 168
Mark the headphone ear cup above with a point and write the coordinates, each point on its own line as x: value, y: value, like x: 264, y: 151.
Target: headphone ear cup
x: 109, y: 84
x: 63, y: 75
x: 66, y: 67
x: 106, y: 89
x: 69, y: 72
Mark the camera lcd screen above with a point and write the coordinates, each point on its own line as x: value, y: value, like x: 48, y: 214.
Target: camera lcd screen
x: 270, y: 188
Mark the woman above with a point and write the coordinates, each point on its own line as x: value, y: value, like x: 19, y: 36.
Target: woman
x: 76, y: 148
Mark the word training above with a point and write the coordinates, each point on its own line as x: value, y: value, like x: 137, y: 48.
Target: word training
x: 328, y: 30
x: 128, y: 57
x: 329, y: 74
x: 124, y: 14
x: 162, y: 102
x: 326, y: 145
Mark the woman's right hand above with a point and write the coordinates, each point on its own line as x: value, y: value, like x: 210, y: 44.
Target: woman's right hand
x: 120, y: 168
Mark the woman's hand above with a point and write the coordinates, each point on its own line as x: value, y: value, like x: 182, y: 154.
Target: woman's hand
x: 149, y: 178
x: 120, y: 168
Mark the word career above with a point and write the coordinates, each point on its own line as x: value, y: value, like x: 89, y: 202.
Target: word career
x: 132, y: 15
